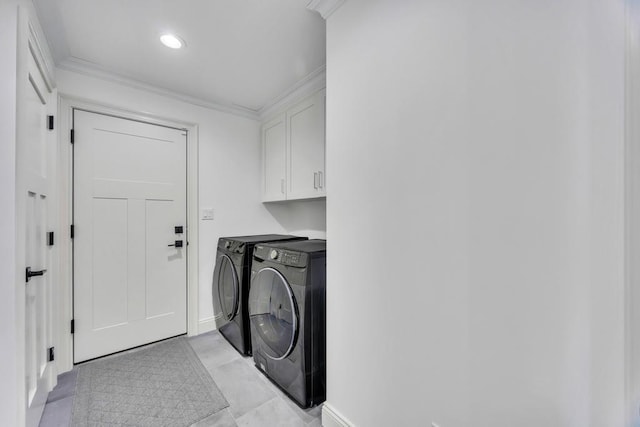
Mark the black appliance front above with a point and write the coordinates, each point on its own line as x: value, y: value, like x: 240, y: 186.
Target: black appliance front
x: 287, y: 315
x: 230, y: 287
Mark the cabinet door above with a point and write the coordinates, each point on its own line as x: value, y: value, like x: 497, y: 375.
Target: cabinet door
x: 274, y: 155
x: 306, y: 132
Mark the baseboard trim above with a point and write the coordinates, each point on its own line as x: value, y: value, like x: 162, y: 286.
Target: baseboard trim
x: 332, y: 418
x: 207, y: 324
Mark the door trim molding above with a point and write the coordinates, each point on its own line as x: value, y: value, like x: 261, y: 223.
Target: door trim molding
x: 66, y: 104
x: 631, y: 212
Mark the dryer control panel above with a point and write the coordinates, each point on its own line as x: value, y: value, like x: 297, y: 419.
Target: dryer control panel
x: 281, y: 256
x: 231, y: 245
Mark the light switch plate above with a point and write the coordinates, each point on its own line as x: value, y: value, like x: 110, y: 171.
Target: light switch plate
x: 207, y: 214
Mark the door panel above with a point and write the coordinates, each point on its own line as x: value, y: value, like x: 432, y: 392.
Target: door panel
x: 35, y: 159
x: 306, y: 148
x: 136, y: 267
x: 161, y: 291
x: 129, y: 194
x: 274, y: 145
x: 109, y: 278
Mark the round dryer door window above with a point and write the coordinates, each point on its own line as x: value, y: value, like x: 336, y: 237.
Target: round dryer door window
x: 273, y: 312
x: 228, y: 287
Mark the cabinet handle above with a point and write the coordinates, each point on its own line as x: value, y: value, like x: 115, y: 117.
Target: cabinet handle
x: 315, y: 180
x: 321, y: 179
x: 282, y: 186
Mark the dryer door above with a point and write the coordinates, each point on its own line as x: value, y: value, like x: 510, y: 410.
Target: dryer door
x: 273, y: 312
x: 225, y: 280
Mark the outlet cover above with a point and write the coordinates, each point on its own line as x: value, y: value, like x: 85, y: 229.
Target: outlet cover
x: 207, y: 214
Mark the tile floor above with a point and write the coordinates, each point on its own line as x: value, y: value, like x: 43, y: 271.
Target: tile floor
x: 253, y: 399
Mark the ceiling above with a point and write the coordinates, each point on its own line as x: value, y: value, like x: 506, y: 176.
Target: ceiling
x: 240, y: 54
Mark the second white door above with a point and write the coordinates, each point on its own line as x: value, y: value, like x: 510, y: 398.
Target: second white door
x: 129, y: 202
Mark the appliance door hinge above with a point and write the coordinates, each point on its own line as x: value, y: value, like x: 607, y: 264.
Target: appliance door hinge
x: 72, y: 137
x: 73, y: 326
x: 51, y: 355
x: 50, y: 238
x: 50, y: 122
x: 72, y: 231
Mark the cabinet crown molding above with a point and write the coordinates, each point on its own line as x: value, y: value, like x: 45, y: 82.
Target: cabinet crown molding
x: 325, y: 7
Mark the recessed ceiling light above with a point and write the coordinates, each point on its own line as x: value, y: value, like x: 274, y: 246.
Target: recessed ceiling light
x: 172, y: 41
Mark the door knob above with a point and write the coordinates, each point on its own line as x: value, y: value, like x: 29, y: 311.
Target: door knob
x: 177, y: 244
x: 29, y: 274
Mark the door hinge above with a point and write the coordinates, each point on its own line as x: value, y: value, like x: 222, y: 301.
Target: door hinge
x: 50, y: 122
x: 52, y: 357
x: 50, y: 238
x: 72, y: 231
x: 73, y: 326
x: 72, y: 136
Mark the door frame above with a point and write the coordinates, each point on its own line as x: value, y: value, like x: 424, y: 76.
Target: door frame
x: 631, y: 212
x: 65, y: 295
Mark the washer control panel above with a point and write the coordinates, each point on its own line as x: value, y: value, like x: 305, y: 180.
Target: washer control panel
x: 289, y: 258
x: 281, y: 256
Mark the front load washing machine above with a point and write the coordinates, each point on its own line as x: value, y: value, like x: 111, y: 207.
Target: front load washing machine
x: 287, y: 315
x: 230, y: 287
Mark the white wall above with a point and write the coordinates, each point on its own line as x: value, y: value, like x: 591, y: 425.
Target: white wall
x: 301, y: 217
x: 475, y: 271
x: 229, y: 170
x: 8, y: 337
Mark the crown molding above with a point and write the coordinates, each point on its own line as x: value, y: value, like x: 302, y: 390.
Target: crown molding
x: 325, y: 7
x: 80, y: 66
x: 313, y: 82
x: 41, y: 55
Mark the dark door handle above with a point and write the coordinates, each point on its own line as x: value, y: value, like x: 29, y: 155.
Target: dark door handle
x: 177, y: 244
x: 29, y: 274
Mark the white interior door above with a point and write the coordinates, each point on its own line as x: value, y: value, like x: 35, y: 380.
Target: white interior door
x: 130, y: 285
x: 35, y: 157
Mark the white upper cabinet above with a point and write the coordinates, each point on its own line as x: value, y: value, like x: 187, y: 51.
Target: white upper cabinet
x: 305, y: 166
x: 293, y: 152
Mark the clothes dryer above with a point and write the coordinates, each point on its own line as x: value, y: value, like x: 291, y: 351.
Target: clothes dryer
x: 230, y: 287
x: 287, y: 315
